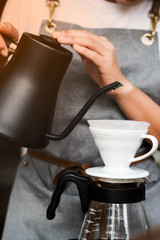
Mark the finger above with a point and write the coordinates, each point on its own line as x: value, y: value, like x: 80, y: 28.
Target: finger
x: 2, y: 43
x: 89, y: 54
x: 87, y: 42
x: 9, y: 30
x: 3, y: 47
x: 71, y: 33
x: 79, y: 33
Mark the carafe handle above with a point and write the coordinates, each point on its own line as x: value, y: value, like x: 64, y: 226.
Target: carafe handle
x: 73, y: 174
x: 153, y: 149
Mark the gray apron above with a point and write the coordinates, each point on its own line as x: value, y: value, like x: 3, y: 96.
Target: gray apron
x: 33, y: 188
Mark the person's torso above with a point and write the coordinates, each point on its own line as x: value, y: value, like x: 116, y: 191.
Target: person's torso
x: 139, y: 63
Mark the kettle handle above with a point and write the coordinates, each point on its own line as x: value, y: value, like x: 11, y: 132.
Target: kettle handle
x: 73, y: 174
x: 83, y: 110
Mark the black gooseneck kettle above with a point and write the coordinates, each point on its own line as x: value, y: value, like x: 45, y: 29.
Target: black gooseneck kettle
x: 29, y: 86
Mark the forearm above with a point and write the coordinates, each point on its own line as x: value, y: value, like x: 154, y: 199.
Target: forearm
x: 136, y: 105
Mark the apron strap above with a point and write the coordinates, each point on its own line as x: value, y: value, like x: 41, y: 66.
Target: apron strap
x: 155, y: 10
x: 66, y: 163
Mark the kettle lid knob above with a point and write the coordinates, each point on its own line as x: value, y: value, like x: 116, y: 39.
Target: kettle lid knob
x: 53, y: 43
x: 49, y: 41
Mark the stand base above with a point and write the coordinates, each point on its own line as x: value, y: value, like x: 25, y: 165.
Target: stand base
x: 128, y: 173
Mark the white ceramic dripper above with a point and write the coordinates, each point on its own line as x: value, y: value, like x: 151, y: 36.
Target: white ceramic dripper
x: 118, y: 142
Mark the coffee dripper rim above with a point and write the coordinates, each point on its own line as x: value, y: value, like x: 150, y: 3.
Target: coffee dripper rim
x: 118, y: 121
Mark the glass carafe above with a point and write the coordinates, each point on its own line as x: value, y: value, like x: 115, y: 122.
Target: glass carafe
x: 114, y: 221
x: 114, y: 208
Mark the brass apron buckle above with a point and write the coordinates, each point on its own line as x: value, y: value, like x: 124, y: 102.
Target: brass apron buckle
x: 148, y: 38
x: 50, y: 25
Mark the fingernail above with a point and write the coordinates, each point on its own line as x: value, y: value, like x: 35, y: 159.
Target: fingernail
x: 4, y: 53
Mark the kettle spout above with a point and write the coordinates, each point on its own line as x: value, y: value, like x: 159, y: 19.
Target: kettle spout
x: 83, y: 110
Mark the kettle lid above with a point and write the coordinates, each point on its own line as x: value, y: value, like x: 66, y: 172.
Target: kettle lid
x: 53, y: 43
x: 49, y: 41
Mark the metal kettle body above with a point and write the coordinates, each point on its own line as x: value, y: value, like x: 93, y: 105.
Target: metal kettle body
x: 29, y: 88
